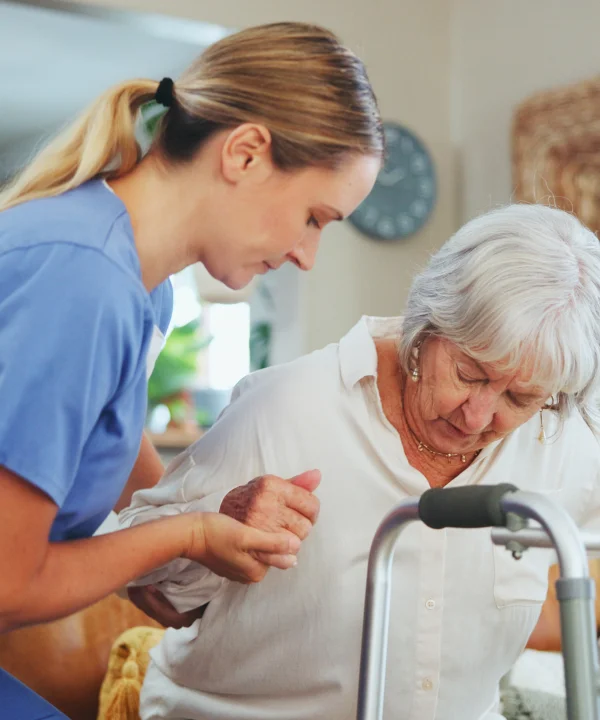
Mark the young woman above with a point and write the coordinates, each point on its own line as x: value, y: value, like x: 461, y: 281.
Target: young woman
x: 270, y: 135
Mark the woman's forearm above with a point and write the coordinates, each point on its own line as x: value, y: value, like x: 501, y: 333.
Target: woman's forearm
x: 78, y: 573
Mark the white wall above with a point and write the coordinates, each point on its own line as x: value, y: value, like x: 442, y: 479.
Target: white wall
x: 406, y: 45
x: 503, y: 51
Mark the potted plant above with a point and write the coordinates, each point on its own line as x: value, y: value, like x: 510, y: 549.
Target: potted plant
x: 172, y: 381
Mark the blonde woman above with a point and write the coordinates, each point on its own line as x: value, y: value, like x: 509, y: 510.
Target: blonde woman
x: 269, y: 136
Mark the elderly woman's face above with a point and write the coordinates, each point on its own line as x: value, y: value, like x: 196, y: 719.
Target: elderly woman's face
x: 464, y: 405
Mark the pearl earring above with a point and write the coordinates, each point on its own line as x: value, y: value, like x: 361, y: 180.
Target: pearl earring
x: 415, y: 374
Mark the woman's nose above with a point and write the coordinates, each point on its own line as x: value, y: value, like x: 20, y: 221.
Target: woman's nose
x: 305, y: 254
x: 303, y: 257
x: 479, y: 410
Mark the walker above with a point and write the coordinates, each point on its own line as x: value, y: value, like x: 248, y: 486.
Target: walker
x: 507, y: 510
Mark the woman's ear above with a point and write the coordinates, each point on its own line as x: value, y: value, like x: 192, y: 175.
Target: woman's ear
x: 246, y: 154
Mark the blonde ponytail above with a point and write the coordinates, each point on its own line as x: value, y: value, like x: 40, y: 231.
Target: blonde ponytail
x: 102, y: 138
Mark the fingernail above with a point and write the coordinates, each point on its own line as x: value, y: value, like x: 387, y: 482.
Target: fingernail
x: 294, y: 544
x: 293, y: 561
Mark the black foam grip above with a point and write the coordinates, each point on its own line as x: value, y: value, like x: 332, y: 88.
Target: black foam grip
x: 473, y: 506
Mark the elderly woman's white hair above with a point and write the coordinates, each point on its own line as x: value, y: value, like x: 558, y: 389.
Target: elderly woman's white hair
x: 519, y: 282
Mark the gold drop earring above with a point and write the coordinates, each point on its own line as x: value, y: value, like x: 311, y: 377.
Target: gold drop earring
x: 542, y: 435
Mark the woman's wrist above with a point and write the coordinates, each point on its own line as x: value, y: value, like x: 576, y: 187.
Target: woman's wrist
x: 190, y: 530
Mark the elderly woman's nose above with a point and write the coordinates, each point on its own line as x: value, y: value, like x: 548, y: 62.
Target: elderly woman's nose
x: 479, y: 411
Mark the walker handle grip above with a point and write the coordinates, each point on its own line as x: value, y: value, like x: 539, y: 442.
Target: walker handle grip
x: 474, y: 506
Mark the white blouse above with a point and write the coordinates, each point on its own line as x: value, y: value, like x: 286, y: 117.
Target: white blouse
x: 289, y: 647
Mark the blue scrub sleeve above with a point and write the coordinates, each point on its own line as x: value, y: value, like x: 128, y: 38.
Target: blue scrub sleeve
x: 18, y: 702
x: 71, y: 329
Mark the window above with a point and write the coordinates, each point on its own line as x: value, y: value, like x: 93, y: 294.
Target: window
x: 206, y: 353
x: 227, y: 359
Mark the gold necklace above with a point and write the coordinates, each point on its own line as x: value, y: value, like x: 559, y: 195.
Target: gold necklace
x: 422, y: 446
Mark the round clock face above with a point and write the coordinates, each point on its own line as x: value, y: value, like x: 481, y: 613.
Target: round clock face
x: 405, y: 192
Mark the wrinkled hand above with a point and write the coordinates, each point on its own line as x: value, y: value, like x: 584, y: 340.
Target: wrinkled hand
x: 152, y: 602
x: 273, y: 504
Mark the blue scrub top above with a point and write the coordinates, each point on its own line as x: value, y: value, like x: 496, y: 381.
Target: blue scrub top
x: 75, y: 327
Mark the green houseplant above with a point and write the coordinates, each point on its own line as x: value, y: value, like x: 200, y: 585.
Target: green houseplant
x: 175, y: 372
x: 261, y: 330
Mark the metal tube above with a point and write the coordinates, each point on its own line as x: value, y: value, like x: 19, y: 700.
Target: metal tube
x: 575, y: 592
x: 578, y: 625
x: 534, y: 537
x: 558, y: 524
x: 371, y: 684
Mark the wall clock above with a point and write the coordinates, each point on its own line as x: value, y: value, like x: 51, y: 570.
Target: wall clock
x: 405, y: 192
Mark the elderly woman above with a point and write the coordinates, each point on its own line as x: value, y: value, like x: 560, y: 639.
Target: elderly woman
x: 492, y: 375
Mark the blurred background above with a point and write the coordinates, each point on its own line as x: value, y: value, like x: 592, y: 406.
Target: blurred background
x: 485, y: 101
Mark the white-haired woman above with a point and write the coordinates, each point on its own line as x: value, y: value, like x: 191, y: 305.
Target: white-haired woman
x: 492, y: 375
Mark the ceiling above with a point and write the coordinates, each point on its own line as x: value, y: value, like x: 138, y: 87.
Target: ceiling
x: 56, y: 57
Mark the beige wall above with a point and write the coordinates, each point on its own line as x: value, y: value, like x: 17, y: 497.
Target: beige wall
x: 406, y: 45
x: 503, y: 51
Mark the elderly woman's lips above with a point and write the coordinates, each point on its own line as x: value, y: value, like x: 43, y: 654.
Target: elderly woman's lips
x: 456, y: 431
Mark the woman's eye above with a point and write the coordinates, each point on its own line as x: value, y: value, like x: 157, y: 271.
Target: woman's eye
x: 517, y: 401
x: 312, y: 220
x: 465, y: 379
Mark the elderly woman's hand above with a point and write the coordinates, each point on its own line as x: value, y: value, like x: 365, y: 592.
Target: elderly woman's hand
x: 273, y: 504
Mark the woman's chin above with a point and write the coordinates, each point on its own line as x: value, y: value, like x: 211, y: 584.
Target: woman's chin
x: 242, y: 278
x: 451, y: 439
x: 238, y: 280
x: 237, y: 283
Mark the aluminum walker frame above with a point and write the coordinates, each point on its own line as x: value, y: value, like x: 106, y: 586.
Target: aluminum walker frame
x: 507, y: 510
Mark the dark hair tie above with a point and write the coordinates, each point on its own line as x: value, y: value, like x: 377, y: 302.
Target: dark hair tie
x: 164, y: 92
